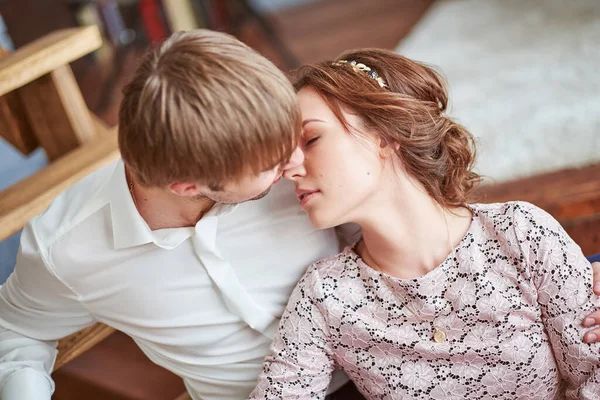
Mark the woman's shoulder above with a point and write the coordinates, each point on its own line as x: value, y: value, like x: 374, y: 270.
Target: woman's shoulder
x: 505, y: 208
x: 519, y: 225
x: 512, y: 212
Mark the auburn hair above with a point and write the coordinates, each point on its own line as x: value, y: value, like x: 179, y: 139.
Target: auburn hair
x: 205, y: 107
x: 409, y: 112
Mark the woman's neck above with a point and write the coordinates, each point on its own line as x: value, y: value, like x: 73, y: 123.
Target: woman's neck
x: 410, y: 237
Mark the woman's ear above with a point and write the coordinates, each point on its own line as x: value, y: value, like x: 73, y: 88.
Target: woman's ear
x: 387, y: 150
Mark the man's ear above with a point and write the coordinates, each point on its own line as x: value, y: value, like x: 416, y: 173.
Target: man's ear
x: 187, y: 189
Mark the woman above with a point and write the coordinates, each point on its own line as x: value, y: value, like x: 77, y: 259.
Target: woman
x: 439, y: 299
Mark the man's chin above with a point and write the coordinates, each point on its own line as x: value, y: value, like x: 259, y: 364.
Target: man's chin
x: 229, y: 199
x: 260, y: 196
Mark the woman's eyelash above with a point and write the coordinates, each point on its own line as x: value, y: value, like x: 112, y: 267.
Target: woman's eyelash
x: 311, y: 141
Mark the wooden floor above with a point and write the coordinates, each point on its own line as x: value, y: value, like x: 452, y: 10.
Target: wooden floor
x: 116, y: 369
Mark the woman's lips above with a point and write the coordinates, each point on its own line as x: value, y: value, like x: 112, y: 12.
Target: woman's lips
x: 305, y: 195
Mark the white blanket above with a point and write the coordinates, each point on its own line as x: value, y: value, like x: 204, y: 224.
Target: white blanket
x: 524, y: 78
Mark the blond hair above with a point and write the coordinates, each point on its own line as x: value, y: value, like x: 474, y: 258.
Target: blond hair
x: 205, y: 107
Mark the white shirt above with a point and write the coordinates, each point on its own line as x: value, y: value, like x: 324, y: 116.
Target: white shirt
x: 202, y: 302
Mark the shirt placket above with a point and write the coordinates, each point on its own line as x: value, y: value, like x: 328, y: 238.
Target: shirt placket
x: 236, y: 297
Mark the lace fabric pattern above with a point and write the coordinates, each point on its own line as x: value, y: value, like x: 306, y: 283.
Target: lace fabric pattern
x: 511, y: 302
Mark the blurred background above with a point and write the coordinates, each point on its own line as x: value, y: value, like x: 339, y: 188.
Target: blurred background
x: 524, y: 78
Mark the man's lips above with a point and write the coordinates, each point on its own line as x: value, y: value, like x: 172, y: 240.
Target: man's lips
x: 304, y: 195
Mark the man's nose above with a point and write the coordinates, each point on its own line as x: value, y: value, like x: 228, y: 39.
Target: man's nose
x: 295, y: 160
x: 295, y: 165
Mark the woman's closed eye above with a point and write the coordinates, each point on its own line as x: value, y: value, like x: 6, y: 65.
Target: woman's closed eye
x: 311, y: 141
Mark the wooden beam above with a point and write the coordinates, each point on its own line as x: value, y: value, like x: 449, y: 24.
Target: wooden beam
x: 57, y: 112
x: 45, y: 55
x: 564, y: 186
x: 14, y: 125
x: 31, y: 196
x: 572, y: 196
x: 78, y: 343
x: 586, y: 233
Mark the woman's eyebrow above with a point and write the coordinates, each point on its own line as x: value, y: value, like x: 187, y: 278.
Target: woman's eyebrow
x: 306, y: 121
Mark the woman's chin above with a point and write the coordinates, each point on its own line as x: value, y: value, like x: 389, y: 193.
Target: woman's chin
x: 322, y: 221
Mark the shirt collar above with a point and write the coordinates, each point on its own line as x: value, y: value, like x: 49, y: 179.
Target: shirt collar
x: 130, y: 229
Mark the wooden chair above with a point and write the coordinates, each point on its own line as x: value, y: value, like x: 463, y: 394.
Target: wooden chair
x: 41, y: 105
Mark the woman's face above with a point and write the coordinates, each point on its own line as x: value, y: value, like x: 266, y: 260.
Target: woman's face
x: 341, y: 171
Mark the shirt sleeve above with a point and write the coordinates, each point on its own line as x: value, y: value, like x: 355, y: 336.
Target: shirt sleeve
x: 36, y: 309
x: 563, y: 279
x: 301, y: 363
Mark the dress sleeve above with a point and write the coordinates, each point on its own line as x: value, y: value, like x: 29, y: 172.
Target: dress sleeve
x: 563, y: 279
x: 301, y: 363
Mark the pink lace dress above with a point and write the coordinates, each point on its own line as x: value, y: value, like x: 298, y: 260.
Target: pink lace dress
x: 510, y: 302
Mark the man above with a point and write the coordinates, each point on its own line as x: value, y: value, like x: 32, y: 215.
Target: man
x: 164, y: 245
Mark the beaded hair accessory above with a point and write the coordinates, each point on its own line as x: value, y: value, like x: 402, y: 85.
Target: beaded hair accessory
x: 362, y: 68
